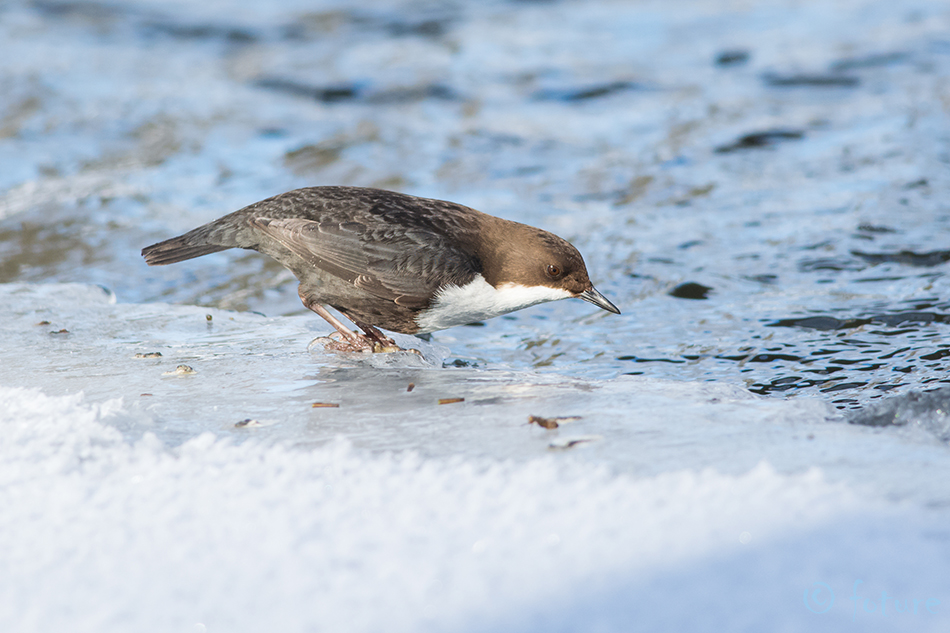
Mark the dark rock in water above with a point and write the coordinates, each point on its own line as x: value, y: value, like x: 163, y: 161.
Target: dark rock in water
x: 826, y: 263
x: 690, y: 244
x: 353, y: 91
x: 232, y: 35
x: 771, y: 358
x: 873, y: 228
x: 785, y: 383
x: 933, y: 258
x: 821, y: 323
x: 732, y: 57
x: 929, y: 410
x: 690, y: 290
x: 811, y: 81
x: 324, y: 94
x: 458, y: 362
x: 756, y: 140
x: 431, y: 27
x: 875, y: 60
x: 637, y: 359
x: 901, y: 318
x: 842, y: 386
x: 583, y: 93
x: 894, y: 319
x: 92, y: 11
x: 412, y: 94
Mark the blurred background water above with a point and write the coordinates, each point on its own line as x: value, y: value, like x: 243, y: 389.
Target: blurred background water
x: 760, y: 186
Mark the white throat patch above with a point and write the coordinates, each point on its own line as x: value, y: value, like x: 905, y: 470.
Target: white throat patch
x: 479, y: 300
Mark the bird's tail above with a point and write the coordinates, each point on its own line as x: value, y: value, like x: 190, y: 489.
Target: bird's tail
x: 192, y: 244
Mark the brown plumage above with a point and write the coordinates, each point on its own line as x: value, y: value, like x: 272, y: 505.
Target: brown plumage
x: 382, y: 258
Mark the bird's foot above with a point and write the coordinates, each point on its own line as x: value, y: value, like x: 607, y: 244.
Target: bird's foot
x: 379, y: 348
x: 382, y: 343
x: 359, y: 343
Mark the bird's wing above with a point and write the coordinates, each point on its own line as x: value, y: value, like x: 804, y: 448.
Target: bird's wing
x: 404, y: 266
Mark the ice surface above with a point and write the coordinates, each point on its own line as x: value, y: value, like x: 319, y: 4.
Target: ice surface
x: 693, y: 506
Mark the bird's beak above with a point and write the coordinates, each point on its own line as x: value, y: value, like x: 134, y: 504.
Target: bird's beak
x: 598, y: 300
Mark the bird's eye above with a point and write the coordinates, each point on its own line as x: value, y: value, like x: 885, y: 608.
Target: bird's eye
x: 553, y: 271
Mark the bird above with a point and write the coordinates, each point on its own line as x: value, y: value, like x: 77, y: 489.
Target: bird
x: 393, y: 261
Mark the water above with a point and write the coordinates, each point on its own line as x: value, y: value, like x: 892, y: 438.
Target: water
x: 799, y: 178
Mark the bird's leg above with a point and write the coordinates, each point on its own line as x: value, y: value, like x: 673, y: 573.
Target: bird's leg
x: 354, y: 342
x: 385, y: 343
x: 372, y: 341
x: 382, y: 342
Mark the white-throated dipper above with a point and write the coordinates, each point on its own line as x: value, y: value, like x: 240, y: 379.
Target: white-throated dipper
x: 393, y: 261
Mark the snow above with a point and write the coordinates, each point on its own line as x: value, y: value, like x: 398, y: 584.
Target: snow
x: 111, y: 535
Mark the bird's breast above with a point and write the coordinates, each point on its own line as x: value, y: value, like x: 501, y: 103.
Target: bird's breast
x: 479, y: 300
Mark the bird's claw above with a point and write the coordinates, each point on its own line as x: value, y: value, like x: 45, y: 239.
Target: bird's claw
x: 360, y: 343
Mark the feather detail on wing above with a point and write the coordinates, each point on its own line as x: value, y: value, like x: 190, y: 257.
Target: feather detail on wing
x: 407, y: 267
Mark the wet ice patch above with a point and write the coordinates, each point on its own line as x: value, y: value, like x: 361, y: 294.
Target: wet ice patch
x: 928, y: 411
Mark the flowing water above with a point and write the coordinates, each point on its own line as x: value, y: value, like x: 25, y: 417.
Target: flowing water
x: 762, y: 199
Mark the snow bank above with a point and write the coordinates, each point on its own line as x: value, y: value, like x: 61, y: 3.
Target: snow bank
x: 98, y: 534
